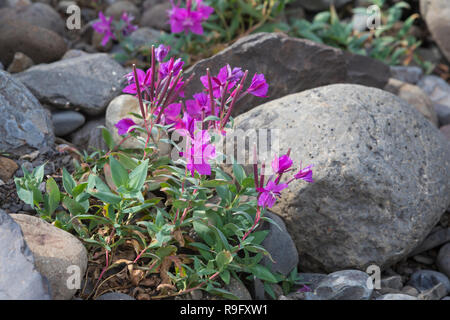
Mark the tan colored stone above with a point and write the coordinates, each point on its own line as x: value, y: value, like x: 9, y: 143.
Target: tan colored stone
x: 7, y: 168
x: 54, y: 250
x: 20, y: 63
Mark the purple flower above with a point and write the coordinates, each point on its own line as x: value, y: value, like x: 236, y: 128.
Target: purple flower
x: 200, y: 153
x: 161, y: 52
x: 129, y: 27
x: 268, y: 195
x: 200, y: 104
x: 259, y: 86
x: 186, y: 126
x: 144, y: 79
x: 218, y: 83
x: 124, y: 126
x: 282, y: 164
x: 305, y: 288
x: 104, y: 27
x: 187, y: 19
x: 305, y: 174
x: 170, y: 113
x: 172, y: 65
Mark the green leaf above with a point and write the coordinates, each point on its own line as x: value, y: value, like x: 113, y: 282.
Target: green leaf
x: 138, y: 176
x: 213, y: 183
x: 239, y: 172
x: 262, y: 273
x: 68, y: 182
x: 53, y: 195
x: 118, y: 172
x: 74, y: 207
x: 225, y: 276
x: 108, y: 138
x: 223, y: 258
x: 223, y: 293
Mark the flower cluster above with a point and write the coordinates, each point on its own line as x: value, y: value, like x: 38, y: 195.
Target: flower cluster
x: 207, y: 110
x: 110, y: 30
x: 189, y: 19
x: 269, y: 193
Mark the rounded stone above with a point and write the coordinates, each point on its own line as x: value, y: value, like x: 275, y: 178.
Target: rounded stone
x: 58, y: 254
x: 344, y: 285
x: 396, y: 296
x: 65, y: 122
x: 443, y: 260
x: 424, y: 280
x: 382, y: 174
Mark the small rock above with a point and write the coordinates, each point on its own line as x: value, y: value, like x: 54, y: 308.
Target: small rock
x: 73, y: 53
x: 411, y: 291
x: 446, y: 298
x: 7, y: 168
x: 443, y: 260
x: 344, y: 285
x: 55, y: 251
x: 238, y: 289
x: 435, y: 239
x: 396, y: 296
x: 90, y: 135
x: 115, y: 296
x: 436, y: 293
x: 117, y: 8
x: 19, y: 278
x: 415, y: 96
x: 196, y: 295
x: 394, y: 282
x: 20, y: 63
x: 144, y: 37
x: 407, y: 74
x: 156, y: 17
x: 423, y: 259
x: 439, y: 92
x: 426, y: 279
x: 280, y: 246
x: 65, y: 122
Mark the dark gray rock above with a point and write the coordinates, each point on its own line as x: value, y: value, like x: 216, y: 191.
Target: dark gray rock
x: 312, y: 279
x: 439, y: 92
x: 65, y: 122
x: 115, y: 296
x: 290, y: 65
x: 88, y: 82
x: 424, y: 280
x: 19, y: 279
x: 144, y: 37
x: 280, y: 246
x: 24, y: 125
x: 237, y: 288
x: 435, y: 239
x: 443, y: 260
x: 408, y: 74
x: 89, y: 136
x: 382, y: 174
x: 344, y: 285
x: 396, y: 296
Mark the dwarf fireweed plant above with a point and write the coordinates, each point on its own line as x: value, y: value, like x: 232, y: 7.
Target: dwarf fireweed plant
x: 201, y: 28
x: 114, y: 30
x: 186, y: 220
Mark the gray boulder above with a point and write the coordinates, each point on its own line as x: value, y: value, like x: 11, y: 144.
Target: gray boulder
x: 382, y: 174
x: 290, y: 65
x: 19, y: 279
x: 24, y: 125
x: 88, y: 82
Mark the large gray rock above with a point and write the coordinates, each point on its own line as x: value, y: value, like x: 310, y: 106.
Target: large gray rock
x: 24, y: 124
x: 382, y: 174
x: 88, y: 82
x: 290, y: 65
x: 437, y: 16
x: 19, y: 278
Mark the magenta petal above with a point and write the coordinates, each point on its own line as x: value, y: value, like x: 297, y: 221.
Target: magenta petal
x: 124, y: 126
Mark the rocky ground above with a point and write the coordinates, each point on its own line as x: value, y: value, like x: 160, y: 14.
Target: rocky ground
x: 379, y: 137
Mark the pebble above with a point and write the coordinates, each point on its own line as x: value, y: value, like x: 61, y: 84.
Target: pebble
x: 393, y: 282
x: 396, y: 296
x: 436, y: 293
x: 115, y: 296
x: 65, y: 122
x: 443, y: 260
x: 343, y: 285
x: 426, y: 279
